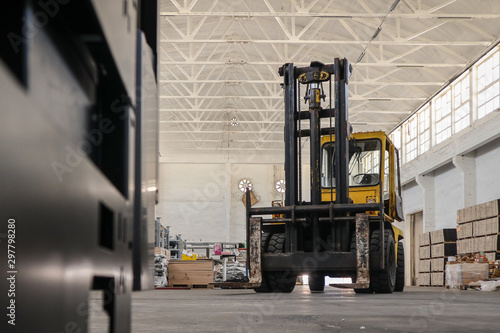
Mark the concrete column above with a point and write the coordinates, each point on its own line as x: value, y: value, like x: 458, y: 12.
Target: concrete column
x: 467, y: 165
x: 426, y: 182
x: 227, y: 204
x: 409, y: 219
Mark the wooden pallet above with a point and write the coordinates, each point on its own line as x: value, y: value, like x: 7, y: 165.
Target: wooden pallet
x: 172, y: 288
x: 193, y: 286
x: 461, y: 288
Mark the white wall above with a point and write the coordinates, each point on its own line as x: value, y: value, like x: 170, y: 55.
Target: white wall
x: 412, y: 198
x: 192, y: 200
x: 488, y: 172
x: 264, y: 178
x: 202, y: 202
x: 448, y: 196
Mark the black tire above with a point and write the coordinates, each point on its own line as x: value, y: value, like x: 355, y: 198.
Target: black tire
x: 383, y: 280
x: 400, y: 270
x: 353, y: 250
x: 316, y: 283
x: 264, y: 287
x: 283, y: 281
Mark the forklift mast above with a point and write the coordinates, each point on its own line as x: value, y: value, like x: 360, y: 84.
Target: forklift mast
x: 323, y: 236
x: 313, y: 77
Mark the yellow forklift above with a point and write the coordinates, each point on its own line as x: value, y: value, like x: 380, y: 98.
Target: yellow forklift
x: 346, y: 228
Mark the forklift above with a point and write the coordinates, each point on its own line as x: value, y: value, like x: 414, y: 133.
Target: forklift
x: 346, y: 229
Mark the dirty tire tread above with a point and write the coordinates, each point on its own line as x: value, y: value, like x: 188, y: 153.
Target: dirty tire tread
x: 380, y: 281
x: 400, y: 270
x: 283, y: 281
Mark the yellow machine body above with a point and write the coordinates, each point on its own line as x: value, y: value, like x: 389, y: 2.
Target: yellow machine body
x: 388, y: 178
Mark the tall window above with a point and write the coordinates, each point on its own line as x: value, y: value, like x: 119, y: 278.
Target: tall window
x: 424, y: 129
x: 488, y: 85
x: 451, y: 110
x: 461, y: 95
x: 411, y: 132
x: 396, y: 138
x: 442, y: 112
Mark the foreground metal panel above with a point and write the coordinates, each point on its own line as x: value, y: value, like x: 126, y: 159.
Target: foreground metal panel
x: 68, y: 143
x: 146, y: 165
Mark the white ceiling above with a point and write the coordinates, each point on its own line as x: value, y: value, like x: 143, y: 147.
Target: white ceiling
x: 219, y: 61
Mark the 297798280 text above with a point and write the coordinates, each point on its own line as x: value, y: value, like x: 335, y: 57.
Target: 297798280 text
x: 11, y: 272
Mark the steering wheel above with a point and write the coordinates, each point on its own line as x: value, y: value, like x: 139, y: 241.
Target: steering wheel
x: 365, y: 179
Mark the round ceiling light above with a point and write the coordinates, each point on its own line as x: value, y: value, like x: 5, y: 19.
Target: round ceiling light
x: 280, y: 186
x: 244, y: 184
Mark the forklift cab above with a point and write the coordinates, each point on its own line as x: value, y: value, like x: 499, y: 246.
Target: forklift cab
x: 373, y: 172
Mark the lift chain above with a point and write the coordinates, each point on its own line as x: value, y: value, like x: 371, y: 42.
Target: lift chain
x: 331, y: 170
x: 299, y: 151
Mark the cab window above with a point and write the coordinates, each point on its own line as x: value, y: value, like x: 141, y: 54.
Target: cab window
x: 364, y: 163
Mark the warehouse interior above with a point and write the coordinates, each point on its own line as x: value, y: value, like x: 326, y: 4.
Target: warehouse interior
x: 143, y: 139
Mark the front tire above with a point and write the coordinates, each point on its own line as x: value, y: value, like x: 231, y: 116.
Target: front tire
x: 281, y: 281
x: 383, y: 280
x: 400, y: 270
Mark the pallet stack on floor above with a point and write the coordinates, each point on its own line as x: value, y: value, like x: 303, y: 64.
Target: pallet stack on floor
x: 191, y: 273
x: 435, y: 247
x: 424, y: 267
x: 478, y: 230
x: 443, y: 245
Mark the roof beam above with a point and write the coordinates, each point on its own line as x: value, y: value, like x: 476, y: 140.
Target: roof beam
x: 279, y: 63
x: 352, y: 98
x: 328, y: 42
x: 367, y: 82
x: 273, y: 111
x: 218, y: 148
x: 416, y: 15
x: 223, y: 121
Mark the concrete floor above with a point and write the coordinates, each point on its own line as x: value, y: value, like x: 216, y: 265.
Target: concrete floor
x: 335, y: 310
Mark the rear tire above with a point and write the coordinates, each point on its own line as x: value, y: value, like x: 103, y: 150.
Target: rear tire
x: 383, y: 280
x: 281, y: 281
x: 316, y: 283
x: 400, y: 270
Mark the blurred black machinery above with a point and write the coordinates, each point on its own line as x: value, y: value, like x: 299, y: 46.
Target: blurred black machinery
x: 79, y: 147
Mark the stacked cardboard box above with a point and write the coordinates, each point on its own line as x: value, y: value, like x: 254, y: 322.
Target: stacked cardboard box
x: 162, y: 251
x: 443, y: 244
x: 424, y: 267
x: 459, y: 275
x: 478, y: 229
